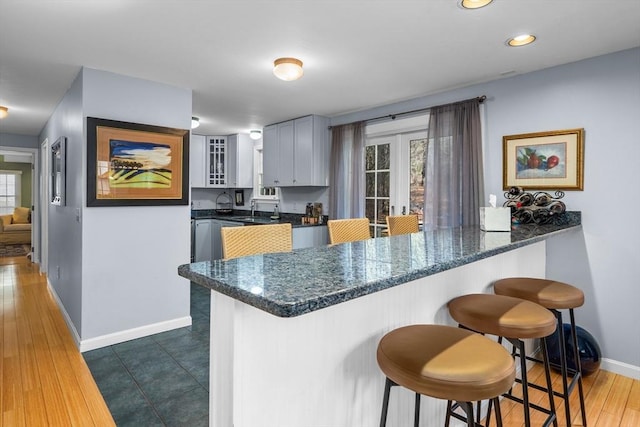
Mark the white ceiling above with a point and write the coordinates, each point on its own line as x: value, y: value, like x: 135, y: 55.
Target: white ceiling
x: 357, y: 53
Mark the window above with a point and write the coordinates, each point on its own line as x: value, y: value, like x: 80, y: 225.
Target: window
x: 377, y: 183
x: 394, y: 169
x: 259, y: 190
x: 9, y: 191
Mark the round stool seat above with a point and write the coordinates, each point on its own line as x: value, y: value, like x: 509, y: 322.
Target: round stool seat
x: 446, y: 362
x: 547, y: 293
x: 502, y: 316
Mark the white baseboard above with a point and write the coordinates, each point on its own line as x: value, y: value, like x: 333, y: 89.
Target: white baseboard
x: 117, y: 337
x: 67, y: 319
x: 620, y: 368
x: 134, y: 333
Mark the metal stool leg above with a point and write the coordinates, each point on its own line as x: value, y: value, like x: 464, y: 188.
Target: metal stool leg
x: 468, y: 410
x: 563, y: 367
x: 449, y: 409
x: 525, y: 383
x: 498, y: 413
x: 416, y: 414
x: 547, y: 374
x: 578, y: 373
x: 385, y: 402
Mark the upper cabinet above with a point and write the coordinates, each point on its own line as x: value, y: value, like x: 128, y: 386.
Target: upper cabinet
x: 239, y: 161
x: 296, y: 153
x: 221, y: 161
x: 197, y: 161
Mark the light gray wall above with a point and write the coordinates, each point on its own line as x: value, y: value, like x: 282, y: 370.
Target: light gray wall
x: 131, y: 254
x: 601, y: 95
x: 21, y: 141
x: 65, y: 232
x: 118, y: 265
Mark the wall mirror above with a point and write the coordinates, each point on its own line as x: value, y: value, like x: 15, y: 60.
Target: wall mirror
x: 58, y: 171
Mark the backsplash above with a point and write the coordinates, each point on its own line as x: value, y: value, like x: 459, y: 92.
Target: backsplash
x: 292, y: 200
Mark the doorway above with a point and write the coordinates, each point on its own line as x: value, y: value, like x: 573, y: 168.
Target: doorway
x: 26, y: 161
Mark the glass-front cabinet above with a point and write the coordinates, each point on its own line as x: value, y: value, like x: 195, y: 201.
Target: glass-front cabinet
x: 216, y: 161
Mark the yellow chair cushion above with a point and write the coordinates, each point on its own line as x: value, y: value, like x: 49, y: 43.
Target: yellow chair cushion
x: 6, y: 220
x: 21, y: 215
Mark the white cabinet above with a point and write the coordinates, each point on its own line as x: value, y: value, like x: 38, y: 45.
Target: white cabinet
x: 197, y: 161
x: 277, y: 155
x: 203, y: 245
x: 296, y: 153
x: 216, y: 161
x: 221, y: 161
x: 239, y: 161
x: 310, y: 237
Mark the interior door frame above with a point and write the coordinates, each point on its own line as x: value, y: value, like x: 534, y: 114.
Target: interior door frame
x: 35, y: 200
x: 43, y: 175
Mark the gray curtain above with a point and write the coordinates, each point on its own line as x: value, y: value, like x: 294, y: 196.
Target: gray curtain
x: 346, y: 180
x: 454, y: 182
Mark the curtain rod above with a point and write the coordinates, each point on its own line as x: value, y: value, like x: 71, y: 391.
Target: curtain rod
x: 393, y: 116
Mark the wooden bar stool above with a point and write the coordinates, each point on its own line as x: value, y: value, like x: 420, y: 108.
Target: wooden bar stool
x: 555, y: 296
x: 514, y: 319
x: 446, y: 363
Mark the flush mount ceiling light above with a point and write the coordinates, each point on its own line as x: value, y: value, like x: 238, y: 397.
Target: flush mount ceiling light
x: 287, y: 69
x: 195, y: 122
x: 255, y: 134
x: 521, y: 40
x: 474, y: 4
x: 4, y: 112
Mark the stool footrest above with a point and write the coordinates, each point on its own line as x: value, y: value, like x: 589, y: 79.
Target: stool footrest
x: 551, y: 415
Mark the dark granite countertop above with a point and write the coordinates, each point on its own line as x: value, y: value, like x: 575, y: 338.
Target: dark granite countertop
x: 260, y: 217
x: 305, y: 280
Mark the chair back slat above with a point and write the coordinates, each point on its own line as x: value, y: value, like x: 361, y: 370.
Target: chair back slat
x: 255, y: 239
x: 402, y: 224
x: 348, y: 230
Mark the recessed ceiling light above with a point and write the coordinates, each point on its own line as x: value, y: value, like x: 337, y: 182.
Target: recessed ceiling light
x: 521, y: 40
x: 4, y: 112
x: 474, y: 4
x: 195, y: 122
x: 287, y: 69
x: 255, y: 134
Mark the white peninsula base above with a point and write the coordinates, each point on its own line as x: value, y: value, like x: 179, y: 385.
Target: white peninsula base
x: 319, y: 369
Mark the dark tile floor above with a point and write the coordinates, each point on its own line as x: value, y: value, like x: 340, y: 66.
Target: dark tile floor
x: 162, y: 379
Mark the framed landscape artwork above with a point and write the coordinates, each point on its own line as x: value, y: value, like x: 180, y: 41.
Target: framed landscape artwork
x: 544, y: 161
x: 131, y: 164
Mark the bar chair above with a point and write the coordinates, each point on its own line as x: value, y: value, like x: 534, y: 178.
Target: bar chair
x: 446, y: 363
x: 516, y: 320
x: 348, y: 230
x: 554, y: 296
x: 402, y: 224
x: 255, y: 239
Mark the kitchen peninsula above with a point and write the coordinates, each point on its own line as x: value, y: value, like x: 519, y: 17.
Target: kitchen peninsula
x: 294, y: 335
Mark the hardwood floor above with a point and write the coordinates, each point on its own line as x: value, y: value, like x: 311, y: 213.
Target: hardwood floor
x: 45, y: 380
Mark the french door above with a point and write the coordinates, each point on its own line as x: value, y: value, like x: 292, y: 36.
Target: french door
x: 394, y: 177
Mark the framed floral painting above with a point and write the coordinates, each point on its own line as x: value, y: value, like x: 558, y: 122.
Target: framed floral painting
x: 544, y: 160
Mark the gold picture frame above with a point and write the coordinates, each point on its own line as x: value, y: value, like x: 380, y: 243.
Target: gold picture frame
x: 132, y: 164
x: 551, y: 160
